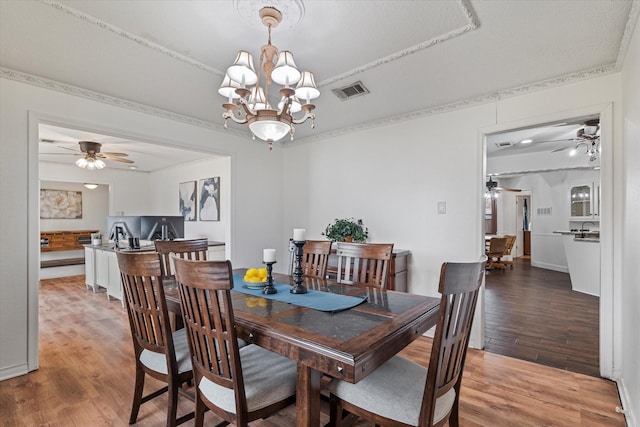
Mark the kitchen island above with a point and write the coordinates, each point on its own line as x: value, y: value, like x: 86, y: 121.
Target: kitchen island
x: 582, y: 249
x: 101, y: 264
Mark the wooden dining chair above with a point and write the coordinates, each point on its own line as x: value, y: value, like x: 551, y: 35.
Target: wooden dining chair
x: 402, y: 393
x: 159, y: 353
x: 507, y: 256
x: 495, y: 253
x: 195, y: 249
x: 363, y: 263
x: 238, y: 384
x: 315, y: 256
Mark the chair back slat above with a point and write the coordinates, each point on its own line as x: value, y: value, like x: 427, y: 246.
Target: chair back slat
x: 459, y: 286
x: 194, y: 249
x: 364, y: 263
x: 208, y: 317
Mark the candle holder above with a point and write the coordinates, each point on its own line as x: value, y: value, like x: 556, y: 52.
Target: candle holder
x: 269, y: 289
x: 299, y: 288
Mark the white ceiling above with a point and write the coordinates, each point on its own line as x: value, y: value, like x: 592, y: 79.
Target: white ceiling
x: 416, y: 57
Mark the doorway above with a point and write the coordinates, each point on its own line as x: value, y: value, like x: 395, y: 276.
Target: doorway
x: 523, y: 226
x: 605, y: 303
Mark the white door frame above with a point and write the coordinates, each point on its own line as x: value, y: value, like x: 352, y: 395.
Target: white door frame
x: 610, y: 342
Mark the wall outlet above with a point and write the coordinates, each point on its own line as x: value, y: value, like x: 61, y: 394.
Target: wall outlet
x: 442, y: 207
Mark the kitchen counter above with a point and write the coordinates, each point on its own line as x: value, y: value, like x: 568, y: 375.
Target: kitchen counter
x: 582, y: 250
x: 144, y: 247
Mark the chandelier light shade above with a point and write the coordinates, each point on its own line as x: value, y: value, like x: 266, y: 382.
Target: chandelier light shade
x: 248, y: 93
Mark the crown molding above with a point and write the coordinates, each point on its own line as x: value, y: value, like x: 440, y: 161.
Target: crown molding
x: 628, y: 33
x: 130, y: 36
x: 472, y: 24
x: 111, y: 100
x: 483, y: 99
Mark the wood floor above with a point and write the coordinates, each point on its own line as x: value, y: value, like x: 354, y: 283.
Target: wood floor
x: 86, y: 378
x: 532, y: 314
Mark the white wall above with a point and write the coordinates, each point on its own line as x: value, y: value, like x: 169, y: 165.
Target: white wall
x: 256, y: 194
x: 548, y: 190
x: 95, y: 206
x: 630, y: 254
x: 163, y: 193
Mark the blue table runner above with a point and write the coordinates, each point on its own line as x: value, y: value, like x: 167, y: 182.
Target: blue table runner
x: 317, y: 300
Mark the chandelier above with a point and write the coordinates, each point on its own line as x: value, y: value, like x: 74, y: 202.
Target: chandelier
x: 592, y: 149
x: 248, y: 99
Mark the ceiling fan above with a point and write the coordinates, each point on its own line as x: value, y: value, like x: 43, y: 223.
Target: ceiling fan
x: 587, y: 137
x: 492, y: 187
x: 92, y: 158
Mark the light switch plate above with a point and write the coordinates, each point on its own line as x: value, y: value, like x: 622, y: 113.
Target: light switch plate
x: 442, y: 207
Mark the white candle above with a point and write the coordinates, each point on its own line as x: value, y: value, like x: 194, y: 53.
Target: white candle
x: 269, y: 255
x: 298, y: 234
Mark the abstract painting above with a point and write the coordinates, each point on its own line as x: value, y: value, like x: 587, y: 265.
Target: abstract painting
x: 210, y: 199
x: 60, y: 204
x: 187, y: 200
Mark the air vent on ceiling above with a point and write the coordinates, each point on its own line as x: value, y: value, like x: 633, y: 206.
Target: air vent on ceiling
x: 351, y: 91
x: 504, y: 144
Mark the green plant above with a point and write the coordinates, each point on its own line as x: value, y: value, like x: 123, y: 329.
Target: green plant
x: 345, y: 229
x: 96, y: 236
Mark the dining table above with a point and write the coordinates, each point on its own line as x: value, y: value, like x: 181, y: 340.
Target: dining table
x: 346, y: 344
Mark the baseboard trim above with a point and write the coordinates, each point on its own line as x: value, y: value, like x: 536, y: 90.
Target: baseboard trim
x: 630, y: 412
x: 554, y: 267
x: 13, y: 371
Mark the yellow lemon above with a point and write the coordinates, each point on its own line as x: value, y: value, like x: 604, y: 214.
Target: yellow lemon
x: 262, y: 302
x: 251, y: 301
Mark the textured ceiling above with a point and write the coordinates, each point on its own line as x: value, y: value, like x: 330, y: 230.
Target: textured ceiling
x: 415, y: 57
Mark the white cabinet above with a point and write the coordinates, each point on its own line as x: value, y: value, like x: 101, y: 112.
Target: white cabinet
x: 584, y: 199
x: 89, y: 268
x: 114, y: 288
x: 107, y: 273
x: 216, y: 253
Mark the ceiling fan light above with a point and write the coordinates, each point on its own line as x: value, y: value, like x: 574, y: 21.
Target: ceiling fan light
x: 307, y: 89
x: 81, y: 162
x: 285, y: 73
x: 242, y: 71
x: 91, y: 165
x: 99, y: 164
x: 573, y: 152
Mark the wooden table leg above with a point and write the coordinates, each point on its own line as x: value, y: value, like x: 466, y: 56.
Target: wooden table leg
x: 308, y: 397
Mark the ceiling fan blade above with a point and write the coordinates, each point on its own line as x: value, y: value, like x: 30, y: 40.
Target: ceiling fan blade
x: 118, y: 159
x: 115, y: 154
x: 515, y: 190
x: 560, y: 149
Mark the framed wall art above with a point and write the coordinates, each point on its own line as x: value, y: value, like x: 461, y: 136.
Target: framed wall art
x: 60, y: 204
x: 209, y: 202
x: 187, y: 200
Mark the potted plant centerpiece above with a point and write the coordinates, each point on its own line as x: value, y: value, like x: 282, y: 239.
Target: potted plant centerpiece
x: 346, y: 230
x: 96, y: 239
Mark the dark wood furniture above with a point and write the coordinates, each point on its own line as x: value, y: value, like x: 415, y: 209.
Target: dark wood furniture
x: 526, y: 242
x: 508, y: 249
x: 433, y: 392
x: 159, y: 353
x: 315, y: 256
x: 56, y: 241
x: 196, y: 249
x: 347, y: 345
x: 239, y: 387
x: 366, y: 263
x: 495, y: 253
x: 65, y: 240
x: 397, y: 274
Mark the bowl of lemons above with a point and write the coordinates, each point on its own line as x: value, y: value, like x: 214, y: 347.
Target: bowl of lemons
x: 255, y: 278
